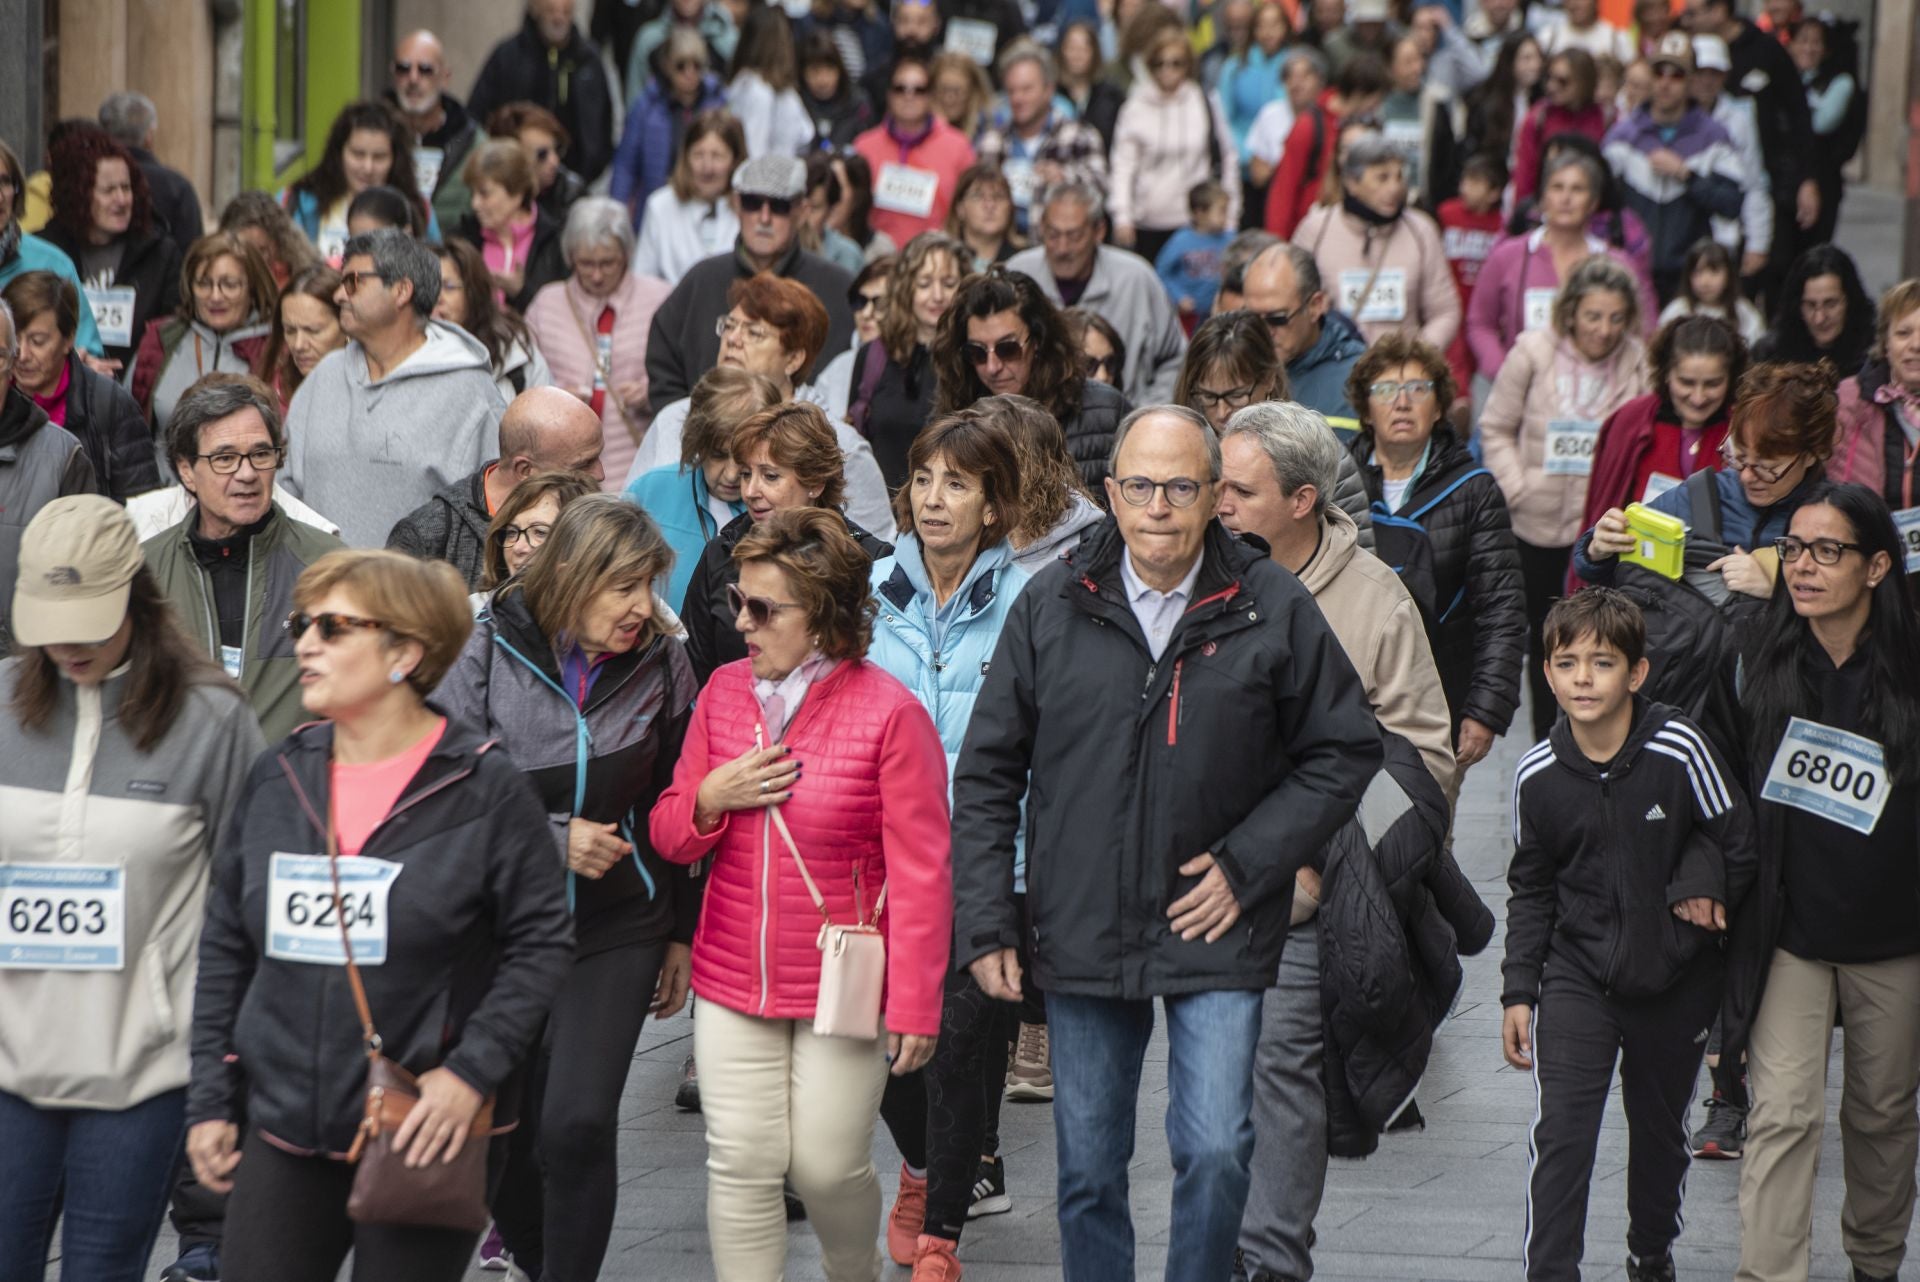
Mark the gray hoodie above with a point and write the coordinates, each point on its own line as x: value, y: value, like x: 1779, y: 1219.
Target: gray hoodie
x: 1062, y: 538
x: 368, y: 453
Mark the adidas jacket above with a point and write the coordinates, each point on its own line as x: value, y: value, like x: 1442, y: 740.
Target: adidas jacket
x: 1601, y: 857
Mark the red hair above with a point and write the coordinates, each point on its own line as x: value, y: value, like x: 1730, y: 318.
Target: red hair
x: 72, y: 164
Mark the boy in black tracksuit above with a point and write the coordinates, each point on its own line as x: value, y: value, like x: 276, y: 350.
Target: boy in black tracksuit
x: 1629, y: 849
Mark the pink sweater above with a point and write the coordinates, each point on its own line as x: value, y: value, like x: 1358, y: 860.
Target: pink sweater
x: 873, y: 797
x: 1160, y: 153
x: 944, y: 153
x: 1412, y: 247
x: 1496, y: 314
x: 557, y: 316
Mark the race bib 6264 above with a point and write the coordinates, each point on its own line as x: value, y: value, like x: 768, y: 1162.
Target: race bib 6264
x: 1836, y: 775
x: 304, y: 916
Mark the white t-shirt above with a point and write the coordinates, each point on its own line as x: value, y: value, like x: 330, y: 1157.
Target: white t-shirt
x: 1395, y: 492
x: 1267, y: 136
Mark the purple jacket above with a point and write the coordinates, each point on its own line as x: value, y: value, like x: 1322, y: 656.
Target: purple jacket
x: 1497, y: 312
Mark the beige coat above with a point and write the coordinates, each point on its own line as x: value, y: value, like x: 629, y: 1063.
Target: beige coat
x: 1537, y: 386
x: 1409, y: 253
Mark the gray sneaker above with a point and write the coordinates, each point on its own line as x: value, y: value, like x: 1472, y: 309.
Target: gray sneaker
x: 687, y: 1097
x: 1722, y: 1137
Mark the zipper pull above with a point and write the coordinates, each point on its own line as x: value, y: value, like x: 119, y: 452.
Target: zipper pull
x: 1147, y: 689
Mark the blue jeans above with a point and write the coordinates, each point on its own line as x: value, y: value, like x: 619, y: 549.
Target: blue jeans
x: 1098, y: 1044
x: 116, y: 1168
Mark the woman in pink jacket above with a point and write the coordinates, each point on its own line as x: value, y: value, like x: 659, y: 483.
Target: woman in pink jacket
x: 1170, y: 137
x: 808, y: 734
x: 917, y: 157
x: 592, y: 327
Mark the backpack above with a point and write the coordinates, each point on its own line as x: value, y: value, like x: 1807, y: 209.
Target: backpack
x: 1401, y: 541
x: 1693, y: 623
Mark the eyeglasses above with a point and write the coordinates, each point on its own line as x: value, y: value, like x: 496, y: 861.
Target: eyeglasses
x: 508, y: 535
x: 1233, y: 398
x: 1278, y: 320
x: 221, y: 285
x: 264, y: 458
x: 862, y: 302
x: 1006, y: 349
x: 1095, y: 364
x: 987, y: 193
x: 758, y: 608
x: 351, y: 281
x: 1825, y: 551
x: 751, y: 203
x: 1181, y: 491
x: 1388, y: 390
x: 727, y: 326
x: 332, y: 626
x: 402, y: 68
x: 1762, y: 471
x: 1667, y: 71
x: 910, y: 91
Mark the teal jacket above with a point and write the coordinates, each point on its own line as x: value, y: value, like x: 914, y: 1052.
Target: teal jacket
x: 37, y: 255
x: 676, y: 499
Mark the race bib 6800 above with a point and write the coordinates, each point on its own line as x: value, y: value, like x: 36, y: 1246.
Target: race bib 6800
x: 1838, y: 776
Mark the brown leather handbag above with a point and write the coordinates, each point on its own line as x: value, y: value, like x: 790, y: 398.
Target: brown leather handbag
x: 442, y: 1195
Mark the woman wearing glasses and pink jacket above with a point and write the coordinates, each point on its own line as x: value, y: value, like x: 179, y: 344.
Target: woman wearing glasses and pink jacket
x: 817, y: 783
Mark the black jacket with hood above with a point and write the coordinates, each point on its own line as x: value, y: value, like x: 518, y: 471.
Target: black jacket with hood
x: 478, y: 943
x: 149, y: 265
x: 1602, y: 854
x: 109, y: 424
x: 508, y: 682
x: 1250, y: 738
x: 570, y: 81
x: 451, y: 526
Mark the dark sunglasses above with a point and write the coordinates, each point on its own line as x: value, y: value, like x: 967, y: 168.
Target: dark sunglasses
x: 409, y: 68
x: 689, y: 64
x: 860, y: 302
x: 751, y: 203
x: 1007, y: 349
x: 332, y: 626
x: 758, y: 608
x: 1095, y: 364
x: 1278, y: 320
x: 911, y: 91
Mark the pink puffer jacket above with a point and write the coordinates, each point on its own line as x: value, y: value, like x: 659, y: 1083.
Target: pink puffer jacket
x: 873, y: 796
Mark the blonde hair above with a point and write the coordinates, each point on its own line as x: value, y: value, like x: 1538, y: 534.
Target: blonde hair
x: 423, y: 601
x: 600, y: 540
x: 899, y: 330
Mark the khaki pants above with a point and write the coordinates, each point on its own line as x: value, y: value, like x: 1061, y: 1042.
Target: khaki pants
x: 783, y: 1104
x: 1879, y: 1129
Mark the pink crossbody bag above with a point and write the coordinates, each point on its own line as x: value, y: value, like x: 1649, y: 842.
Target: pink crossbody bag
x: 853, y: 959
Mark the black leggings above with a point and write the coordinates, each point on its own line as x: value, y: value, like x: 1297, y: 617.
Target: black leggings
x: 1543, y: 574
x: 555, y: 1207
x: 287, y: 1222
x: 965, y: 1083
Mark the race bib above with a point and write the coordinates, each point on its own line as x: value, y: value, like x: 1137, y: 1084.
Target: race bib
x: 1838, y: 776
x: 1537, y: 309
x: 112, y: 313
x: 1570, y: 443
x: 1907, y: 521
x: 427, y: 162
x: 332, y: 242
x: 232, y: 658
x: 1385, y: 303
x: 1022, y: 181
x: 62, y: 917
x: 974, y: 38
x: 303, y: 917
x: 901, y: 190
x: 603, y: 360
x: 1657, y: 484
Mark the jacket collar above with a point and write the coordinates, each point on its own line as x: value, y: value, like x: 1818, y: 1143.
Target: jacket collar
x: 306, y: 755
x: 513, y: 623
x: 1224, y: 560
x: 743, y: 267
x: 1648, y: 718
x: 20, y: 418
x: 909, y: 582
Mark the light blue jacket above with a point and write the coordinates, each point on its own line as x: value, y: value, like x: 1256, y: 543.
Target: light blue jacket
x: 676, y: 498
x: 37, y: 255
x: 943, y: 655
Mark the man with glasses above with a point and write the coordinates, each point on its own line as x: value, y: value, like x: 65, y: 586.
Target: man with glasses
x: 446, y: 132
x: 1317, y: 345
x: 1164, y: 833
x: 546, y: 429
x: 229, y: 567
x: 684, y: 342
x: 1677, y: 165
x: 1074, y: 269
x: 407, y: 408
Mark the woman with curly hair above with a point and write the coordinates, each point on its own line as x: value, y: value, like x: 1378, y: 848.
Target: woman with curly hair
x: 1003, y: 337
x: 103, y: 220
x: 893, y: 376
x: 1824, y: 313
x: 257, y: 218
x: 370, y: 145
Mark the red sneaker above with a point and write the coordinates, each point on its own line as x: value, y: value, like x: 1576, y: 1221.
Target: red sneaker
x: 936, y: 1261
x: 908, y: 1218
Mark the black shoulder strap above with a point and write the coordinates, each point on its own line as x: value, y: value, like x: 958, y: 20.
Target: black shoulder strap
x: 1214, y: 155
x: 1319, y: 118
x: 1703, y: 503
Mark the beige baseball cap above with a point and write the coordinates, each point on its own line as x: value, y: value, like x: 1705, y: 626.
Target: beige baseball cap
x: 78, y: 557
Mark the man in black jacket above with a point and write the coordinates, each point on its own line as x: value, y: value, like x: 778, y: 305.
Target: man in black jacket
x: 1163, y: 832
x: 445, y: 130
x: 550, y: 63
x: 544, y: 430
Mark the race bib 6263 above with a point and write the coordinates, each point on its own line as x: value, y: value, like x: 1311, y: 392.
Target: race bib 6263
x: 63, y: 917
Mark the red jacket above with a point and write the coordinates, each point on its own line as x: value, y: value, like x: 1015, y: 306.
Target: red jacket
x: 873, y: 796
x: 1634, y: 443
x: 1296, y: 184
x: 1542, y: 123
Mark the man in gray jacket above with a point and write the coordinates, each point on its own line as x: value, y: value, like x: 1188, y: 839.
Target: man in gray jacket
x: 405, y: 409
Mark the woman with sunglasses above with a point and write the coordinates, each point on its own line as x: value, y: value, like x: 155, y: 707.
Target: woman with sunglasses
x: 461, y: 934
x: 227, y: 310
x: 916, y: 156
x: 1569, y: 106
x: 788, y: 457
x: 892, y: 377
x: 546, y: 140
x: 1003, y: 337
x: 690, y: 218
x: 679, y: 89
x: 982, y: 217
x: 805, y: 768
x: 577, y: 674
x: 1171, y: 136
x: 522, y: 524
x: 1100, y: 344
x: 1824, y: 707
x: 867, y: 299
x: 1460, y: 564
x: 1781, y: 434
x: 106, y: 883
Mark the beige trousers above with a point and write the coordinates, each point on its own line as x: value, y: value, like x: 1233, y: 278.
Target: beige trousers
x: 1879, y: 1004
x: 783, y: 1104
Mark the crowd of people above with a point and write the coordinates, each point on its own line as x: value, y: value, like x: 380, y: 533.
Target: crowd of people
x: 548, y: 568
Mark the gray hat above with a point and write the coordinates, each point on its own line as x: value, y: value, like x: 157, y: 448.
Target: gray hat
x: 776, y: 177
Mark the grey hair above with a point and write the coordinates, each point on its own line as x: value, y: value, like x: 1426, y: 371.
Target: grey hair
x: 1087, y: 193
x: 1026, y: 50
x: 1366, y: 151
x: 128, y: 118
x: 1298, y: 442
x: 12, y: 349
x: 213, y: 398
x: 597, y: 220
x: 1193, y: 418
x: 1239, y: 255
x: 1591, y: 274
x: 1306, y: 271
x: 1597, y: 175
x: 397, y: 256
x: 685, y: 42
x: 1309, y: 55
